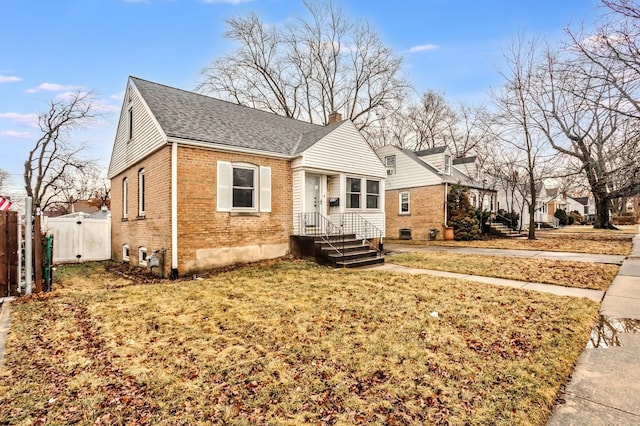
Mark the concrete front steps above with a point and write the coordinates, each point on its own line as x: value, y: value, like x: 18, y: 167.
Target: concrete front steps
x: 504, y: 231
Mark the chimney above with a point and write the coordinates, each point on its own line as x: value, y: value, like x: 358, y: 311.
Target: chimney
x: 335, y: 117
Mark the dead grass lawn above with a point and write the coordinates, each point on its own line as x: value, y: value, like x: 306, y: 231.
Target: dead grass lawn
x: 289, y: 343
x: 596, y: 242
x: 565, y: 273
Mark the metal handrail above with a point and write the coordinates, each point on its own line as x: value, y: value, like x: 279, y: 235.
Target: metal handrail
x: 317, y: 225
x: 353, y: 223
x: 496, y: 215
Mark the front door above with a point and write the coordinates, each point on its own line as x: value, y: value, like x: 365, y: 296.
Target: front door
x: 312, y: 199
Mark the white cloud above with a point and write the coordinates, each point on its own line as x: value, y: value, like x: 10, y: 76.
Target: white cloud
x: 69, y: 95
x: 226, y: 1
x: 30, y: 120
x: 422, y: 48
x: 16, y: 135
x: 101, y: 106
x: 9, y: 79
x: 118, y: 96
x: 52, y: 87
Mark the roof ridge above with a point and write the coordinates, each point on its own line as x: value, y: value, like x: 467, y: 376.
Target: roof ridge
x: 271, y: 113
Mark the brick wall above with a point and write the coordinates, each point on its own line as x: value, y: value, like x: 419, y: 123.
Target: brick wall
x: 426, y: 212
x: 153, y: 230
x: 201, y: 227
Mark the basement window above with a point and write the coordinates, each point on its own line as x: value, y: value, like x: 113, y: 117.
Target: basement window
x: 142, y: 256
x: 125, y: 252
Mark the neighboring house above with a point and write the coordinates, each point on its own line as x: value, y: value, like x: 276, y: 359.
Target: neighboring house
x: 76, y: 206
x: 202, y: 183
x: 416, y: 188
x: 588, y: 210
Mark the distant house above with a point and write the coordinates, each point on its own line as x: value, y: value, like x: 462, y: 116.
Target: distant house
x: 200, y: 183
x: 76, y: 206
x: 417, y: 186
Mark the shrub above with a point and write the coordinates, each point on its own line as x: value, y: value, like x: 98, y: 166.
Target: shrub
x: 462, y: 215
x: 562, y: 216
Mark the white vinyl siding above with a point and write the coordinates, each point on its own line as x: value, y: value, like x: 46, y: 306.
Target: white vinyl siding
x: 410, y: 172
x: 343, y: 150
x: 298, y: 197
x: 147, y: 135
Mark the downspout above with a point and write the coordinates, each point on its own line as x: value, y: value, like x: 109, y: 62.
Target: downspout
x: 445, y: 205
x: 174, y: 210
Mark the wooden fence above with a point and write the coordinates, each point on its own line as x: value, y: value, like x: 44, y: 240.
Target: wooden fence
x: 9, y: 277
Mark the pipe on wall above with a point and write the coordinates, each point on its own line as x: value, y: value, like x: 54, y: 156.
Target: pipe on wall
x: 174, y: 210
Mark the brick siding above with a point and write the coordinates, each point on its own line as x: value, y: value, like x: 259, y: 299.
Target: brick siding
x: 426, y: 211
x: 200, y: 226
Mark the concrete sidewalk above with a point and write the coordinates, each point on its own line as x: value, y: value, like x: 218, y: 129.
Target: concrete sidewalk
x: 577, y: 257
x: 5, y: 320
x: 594, y: 295
x: 605, y: 386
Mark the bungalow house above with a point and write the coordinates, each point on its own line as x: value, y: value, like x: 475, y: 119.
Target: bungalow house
x: 417, y: 186
x: 198, y: 183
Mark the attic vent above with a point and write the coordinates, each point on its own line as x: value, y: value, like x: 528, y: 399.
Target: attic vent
x: 405, y: 234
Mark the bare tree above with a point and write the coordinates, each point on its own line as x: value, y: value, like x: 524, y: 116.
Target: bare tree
x: 309, y: 69
x: 53, y: 158
x: 471, y: 131
x: 612, y: 55
x: 431, y: 121
x: 581, y: 116
x: 4, y: 178
x: 515, y: 128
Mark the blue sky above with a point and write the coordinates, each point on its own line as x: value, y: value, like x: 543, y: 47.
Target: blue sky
x: 48, y: 48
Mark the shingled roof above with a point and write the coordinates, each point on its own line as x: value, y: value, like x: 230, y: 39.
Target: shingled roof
x: 191, y: 116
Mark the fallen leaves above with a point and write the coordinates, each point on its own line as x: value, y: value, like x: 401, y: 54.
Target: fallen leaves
x: 315, y: 345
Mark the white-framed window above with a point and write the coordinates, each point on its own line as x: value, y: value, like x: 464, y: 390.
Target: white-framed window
x: 125, y: 198
x: 354, y: 192
x: 125, y: 252
x: 403, y: 207
x: 447, y: 164
x: 243, y: 192
x: 390, y: 163
x: 130, y: 115
x: 373, y: 194
x: 142, y: 256
x: 141, y: 193
x: 243, y: 187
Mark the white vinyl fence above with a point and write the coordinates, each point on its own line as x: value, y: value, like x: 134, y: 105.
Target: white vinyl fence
x: 79, y: 238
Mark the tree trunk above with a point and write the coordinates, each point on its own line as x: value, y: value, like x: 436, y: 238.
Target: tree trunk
x: 602, y: 212
x: 532, y: 208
